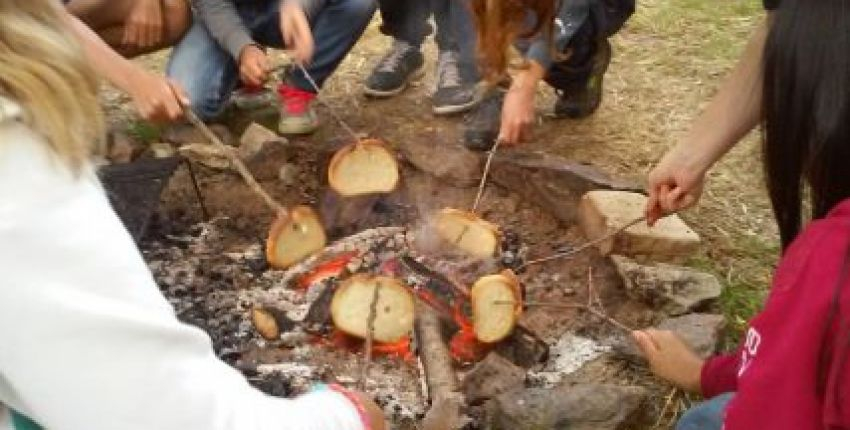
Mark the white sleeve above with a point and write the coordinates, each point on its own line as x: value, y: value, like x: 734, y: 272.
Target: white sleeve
x: 87, y: 341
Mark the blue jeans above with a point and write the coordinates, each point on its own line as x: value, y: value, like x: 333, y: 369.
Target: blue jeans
x: 209, y: 74
x: 707, y: 415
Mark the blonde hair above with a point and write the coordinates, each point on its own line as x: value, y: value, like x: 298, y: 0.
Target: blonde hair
x: 44, y: 70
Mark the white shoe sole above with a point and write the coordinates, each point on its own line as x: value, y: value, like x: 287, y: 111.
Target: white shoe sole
x: 460, y: 108
x: 379, y: 94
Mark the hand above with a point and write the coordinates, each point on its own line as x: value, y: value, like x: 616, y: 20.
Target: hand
x: 253, y: 66
x: 517, y: 115
x: 675, y: 184
x: 376, y: 415
x: 157, y: 98
x: 144, y: 25
x: 296, y: 31
x: 670, y: 359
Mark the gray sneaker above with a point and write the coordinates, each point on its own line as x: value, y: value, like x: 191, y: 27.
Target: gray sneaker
x: 401, y: 65
x: 452, y: 94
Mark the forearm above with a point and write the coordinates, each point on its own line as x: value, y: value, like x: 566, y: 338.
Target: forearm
x: 225, y: 25
x: 527, y: 79
x: 105, y: 61
x: 734, y: 111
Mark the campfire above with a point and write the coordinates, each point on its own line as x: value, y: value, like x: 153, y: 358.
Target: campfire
x: 405, y: 302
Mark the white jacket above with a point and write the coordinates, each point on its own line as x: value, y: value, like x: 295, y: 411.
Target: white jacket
x: 87, y: 341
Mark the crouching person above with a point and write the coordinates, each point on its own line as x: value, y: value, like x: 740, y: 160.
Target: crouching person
x: 225, y: 49
x: 87, y: 341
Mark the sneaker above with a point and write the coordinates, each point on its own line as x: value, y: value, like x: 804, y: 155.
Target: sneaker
x: 483, y: 124
x: 296, y: 111
x: 581, y: 100
x: 404, y: 63
x: 252, y: 98
x: 452, y: 95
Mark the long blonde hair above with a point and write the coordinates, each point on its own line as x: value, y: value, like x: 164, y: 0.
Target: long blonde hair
x: 44, y: 70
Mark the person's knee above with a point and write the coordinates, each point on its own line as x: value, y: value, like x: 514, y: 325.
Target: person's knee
x: 178, y: 18
x: 707, y: 415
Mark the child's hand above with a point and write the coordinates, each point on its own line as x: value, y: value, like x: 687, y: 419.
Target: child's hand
x: 296, y: 31
x: 253, y: 66
x: 144, y: 28
x: 376, y: 415
x: 670, y: 359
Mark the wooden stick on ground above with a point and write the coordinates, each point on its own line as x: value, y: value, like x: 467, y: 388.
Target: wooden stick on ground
x: 370, y: 335
x: 230, y: 153
x: 440, y: 376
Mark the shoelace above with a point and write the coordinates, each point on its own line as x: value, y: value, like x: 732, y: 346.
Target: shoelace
x: 295, y: 100
x: 392, y: 60
x: 447, y: 69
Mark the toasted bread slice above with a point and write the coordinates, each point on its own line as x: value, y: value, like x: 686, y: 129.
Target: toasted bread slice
x: 496, y: 306
x: 394, y: 312
x: 295, y: 237
x: 467, y: 232
x: 364, y: 167
x: 270, y: 322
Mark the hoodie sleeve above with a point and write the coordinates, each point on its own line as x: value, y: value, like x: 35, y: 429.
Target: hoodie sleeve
x: 224, y: 24
x: 87, y: 341
x: 720, y: 375
x: 571, y: 15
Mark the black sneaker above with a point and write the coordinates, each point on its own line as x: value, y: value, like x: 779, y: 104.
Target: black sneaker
x: 482, y: 125
x: 452, y: 94
x: 402, y: 64
x: 581, y: 99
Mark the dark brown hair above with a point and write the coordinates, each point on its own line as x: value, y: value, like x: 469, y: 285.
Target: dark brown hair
x: 499, y: 22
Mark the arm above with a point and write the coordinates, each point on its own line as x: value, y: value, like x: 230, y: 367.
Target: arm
x: 88, y: 342
x: 676, y: 183
x: 224, y: 24
x: 155, y: 97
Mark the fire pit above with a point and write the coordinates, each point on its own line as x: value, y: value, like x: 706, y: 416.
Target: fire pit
x: 278, y: 326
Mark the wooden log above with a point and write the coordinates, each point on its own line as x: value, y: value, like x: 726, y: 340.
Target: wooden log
x: 443, y: 387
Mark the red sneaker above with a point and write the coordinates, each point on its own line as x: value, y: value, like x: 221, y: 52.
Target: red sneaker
x: 296, y: 111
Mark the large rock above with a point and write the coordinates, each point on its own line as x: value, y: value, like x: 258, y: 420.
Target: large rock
x: 492, y: 376
x: 255, y: 140
x: 602, y: 212
x: 700, y: 331
x: 577, y: 407
x: 554, y: 183
x: 674, y: 290
x: 206, y: 154
x: 446, y: 160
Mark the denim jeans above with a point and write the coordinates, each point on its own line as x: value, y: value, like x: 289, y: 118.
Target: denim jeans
x: 707, y: 415
x: 209, y: 74
x: 407, y: 20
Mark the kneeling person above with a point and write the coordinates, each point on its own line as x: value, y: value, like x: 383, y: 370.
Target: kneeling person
x: 227, y: 44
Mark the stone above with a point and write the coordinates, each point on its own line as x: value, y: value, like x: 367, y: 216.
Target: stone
x: 554, y: 183
x: 288, y: 173
x: 700, y: 331
x: 161, y: 150
x: 567, y: 407
x: 255, y: 140
x: 446, y: 160
x: 180, y: 134
x: 205, y: 154
x: 122, y: 148
x: 673, y: 290
x: 492, y: 376
x: 603, y: 211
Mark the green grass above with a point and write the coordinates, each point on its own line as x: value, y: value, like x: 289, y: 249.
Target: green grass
x: 145, y: 132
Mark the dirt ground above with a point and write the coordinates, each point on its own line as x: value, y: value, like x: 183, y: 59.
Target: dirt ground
x: 668, y: 62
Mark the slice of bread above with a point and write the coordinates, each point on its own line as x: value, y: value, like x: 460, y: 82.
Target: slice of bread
x: 467, y: 232
x: 496, y: 306
x: 394, y: 313
x: 364, y: 167
x: 295, y: 237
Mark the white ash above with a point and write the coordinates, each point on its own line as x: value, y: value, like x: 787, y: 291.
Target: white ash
x: 569, y: 354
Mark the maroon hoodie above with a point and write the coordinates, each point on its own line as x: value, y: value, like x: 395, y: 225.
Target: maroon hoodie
x: 775, y: 370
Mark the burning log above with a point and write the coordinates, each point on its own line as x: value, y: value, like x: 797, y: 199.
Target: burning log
x: 352, y: 304
x: 441, y: 380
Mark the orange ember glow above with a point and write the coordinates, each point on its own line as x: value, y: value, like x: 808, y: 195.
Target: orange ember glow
x: 464, y: 346
x: 333, y: 267
x: 400, y: 349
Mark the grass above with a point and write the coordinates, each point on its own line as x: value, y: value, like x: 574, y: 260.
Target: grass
x: 143, y: 131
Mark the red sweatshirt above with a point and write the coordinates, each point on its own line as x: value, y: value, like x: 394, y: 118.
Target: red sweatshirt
x: 775, y: 370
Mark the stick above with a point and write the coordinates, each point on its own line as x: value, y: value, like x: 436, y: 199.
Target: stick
x: 330, y: 108
x: 234, y: 159
x: 484, y: 176
x: 370, y: 335
x: 599, y: 314
x: 584, y: 247
x: 440, y: 376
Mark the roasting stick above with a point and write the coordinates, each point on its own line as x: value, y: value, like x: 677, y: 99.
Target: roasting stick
x: 370, y: 335
x: 324, y: 103
x: 234, y: 159
x: 590, y: 309
x: 486, y: 173
x: 584, y: 247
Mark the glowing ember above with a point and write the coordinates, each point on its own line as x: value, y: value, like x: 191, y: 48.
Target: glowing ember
x: 400, y: 349
x: 331, y: 268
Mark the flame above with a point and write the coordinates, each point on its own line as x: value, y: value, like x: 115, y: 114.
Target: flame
x: 328, y: 269
x: 400, y: 349
x: 464, y: 346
